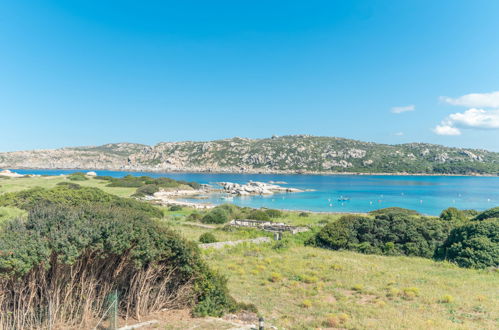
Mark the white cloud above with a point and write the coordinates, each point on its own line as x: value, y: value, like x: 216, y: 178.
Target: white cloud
x: 402, y: 109
x: 471, y: 118
x: 446, y: 130
x: 483, y: 113
x: 476, y: 118
x: 399, y: 134
x: 475, y: 100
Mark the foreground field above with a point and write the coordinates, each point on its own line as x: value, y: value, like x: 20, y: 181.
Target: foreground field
x: 303, y: 287
x: 298, y: 287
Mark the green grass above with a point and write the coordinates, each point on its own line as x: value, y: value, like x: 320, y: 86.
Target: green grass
x: 295, y: 219
x: 18, y: 184
x: 7, y: 213
x: 306, y: 288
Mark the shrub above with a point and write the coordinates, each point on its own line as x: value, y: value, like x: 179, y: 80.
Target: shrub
x: 447, y: 299
x: 358, y: 287
x: 473, y: 245
x: 147, y: 190
x: 259, y: 215
x: 281, y: 245
x: 273, y: 213
x: 217, y: 216
x: 409, y: 293
x: 306, y: 303
x: 394, y: 210
x: 336, y: 321
x: 488, y: 214
x: 70, y: 185
x: 303, y: 214
x: 73, y: 256
x: 175, y: 208
x: 275, y: 277
x: 77, y: 176
x: 70, y: 196
x: 194, y: 216
x: 453, y: 214
x: 146, y: 185
x: 207, y: 238
x: 103, y: 177
x: 390, y: 234
x: 231, y: 210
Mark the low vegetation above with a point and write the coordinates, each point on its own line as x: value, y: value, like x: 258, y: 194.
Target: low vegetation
x: 473, y: 245
x: 77, y: 245
x: 396, y: 231
x: 146, y: 185
x: 386, y: 233
x: 77, y: 176
x: 73, y: 196
x: 207, y: 238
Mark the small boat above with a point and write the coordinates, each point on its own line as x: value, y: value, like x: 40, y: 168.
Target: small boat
x: 343, y: 199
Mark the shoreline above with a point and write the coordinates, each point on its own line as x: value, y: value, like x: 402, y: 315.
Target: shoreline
x: 166, y: 198
x: 254, y: 172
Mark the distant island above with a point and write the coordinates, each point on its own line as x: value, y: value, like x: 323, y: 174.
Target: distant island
x: 285, y: 154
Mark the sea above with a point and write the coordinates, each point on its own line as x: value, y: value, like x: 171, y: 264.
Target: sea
x: 342, y: 193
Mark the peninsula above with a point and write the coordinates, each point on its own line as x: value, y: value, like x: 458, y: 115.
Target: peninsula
x: 286, y: 154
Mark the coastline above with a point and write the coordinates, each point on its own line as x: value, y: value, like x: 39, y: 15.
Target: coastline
x: 252, y: 171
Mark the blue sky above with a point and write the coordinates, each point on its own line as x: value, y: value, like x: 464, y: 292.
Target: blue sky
x: 92, y: 72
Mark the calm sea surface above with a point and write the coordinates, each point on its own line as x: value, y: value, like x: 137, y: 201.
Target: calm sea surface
x: 426, y: 194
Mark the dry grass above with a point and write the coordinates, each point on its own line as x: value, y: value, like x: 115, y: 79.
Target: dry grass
x: 358, y: 291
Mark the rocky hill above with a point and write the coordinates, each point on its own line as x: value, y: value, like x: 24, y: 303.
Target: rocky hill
x: 287, y: 154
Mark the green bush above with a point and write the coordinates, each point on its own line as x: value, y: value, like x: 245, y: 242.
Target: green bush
x: 175, y: 208
x: 73, y: 195
x: 273, y: 213
x: 473, y: 245
x: 391, y: 234
x: 147, y: 190
x: 453, y: 214
x: 259, y: 215
x: 303, y: 214
x: 77, y: 176
x: 70, y: 185
x: 488, y: 214
x: 217, y: 216
x: 70, y: 255
x: 141, y: 181
x: 207, y: 238
x: 194, y: 216
x: 457, y: 216
x: 394, y: 210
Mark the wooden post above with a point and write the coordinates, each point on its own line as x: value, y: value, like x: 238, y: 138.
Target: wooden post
x: 113, y: 310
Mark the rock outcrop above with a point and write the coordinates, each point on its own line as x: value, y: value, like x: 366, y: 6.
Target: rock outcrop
x: 254, y: 188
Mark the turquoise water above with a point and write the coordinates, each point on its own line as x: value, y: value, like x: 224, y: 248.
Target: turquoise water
x: 426, y: 194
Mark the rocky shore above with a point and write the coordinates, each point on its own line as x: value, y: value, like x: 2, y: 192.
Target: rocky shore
x: 255, y: 188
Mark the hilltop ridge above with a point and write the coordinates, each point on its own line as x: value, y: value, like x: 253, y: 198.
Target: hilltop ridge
x: 285, y: 154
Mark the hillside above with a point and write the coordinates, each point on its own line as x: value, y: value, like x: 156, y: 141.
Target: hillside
x: 287, y: 154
